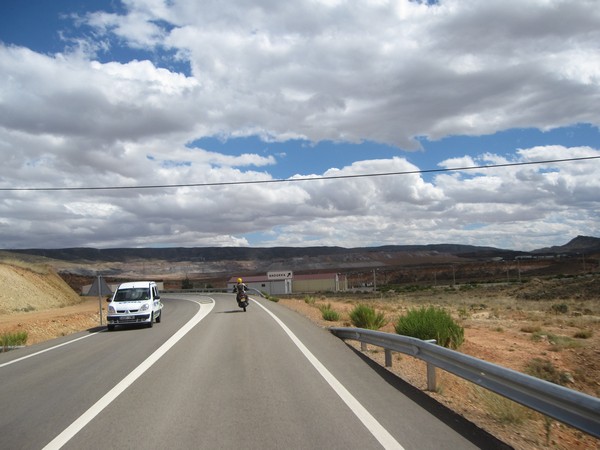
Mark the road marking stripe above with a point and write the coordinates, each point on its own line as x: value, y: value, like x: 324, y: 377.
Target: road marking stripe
x: 48, y: 349
x: 376, y: 429
x: 111, y: 395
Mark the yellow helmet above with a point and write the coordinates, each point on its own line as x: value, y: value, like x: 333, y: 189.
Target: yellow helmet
x: 239, y: 280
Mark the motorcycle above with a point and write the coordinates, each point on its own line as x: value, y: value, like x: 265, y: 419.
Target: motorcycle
x: 242, y: 300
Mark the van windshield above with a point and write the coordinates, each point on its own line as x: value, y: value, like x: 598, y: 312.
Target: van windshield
x: 132, y: 294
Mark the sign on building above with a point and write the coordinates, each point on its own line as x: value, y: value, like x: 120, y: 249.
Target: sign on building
x: 280, y: 275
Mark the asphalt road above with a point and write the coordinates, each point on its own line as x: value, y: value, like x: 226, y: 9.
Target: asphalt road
x: 210, y: 376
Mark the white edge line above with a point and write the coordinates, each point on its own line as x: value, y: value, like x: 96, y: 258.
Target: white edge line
x: 376, y: 429
x: 48, y: 349
x: 111, y: 395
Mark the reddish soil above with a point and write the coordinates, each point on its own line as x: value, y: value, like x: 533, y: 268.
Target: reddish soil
x: 507, y: 325
x: 503, y: 330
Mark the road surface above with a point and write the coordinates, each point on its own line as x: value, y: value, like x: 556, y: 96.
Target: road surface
x: 210, y: 376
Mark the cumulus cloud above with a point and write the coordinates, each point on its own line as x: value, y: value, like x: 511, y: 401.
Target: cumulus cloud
x: 383, y: 71
x: 388, y: 72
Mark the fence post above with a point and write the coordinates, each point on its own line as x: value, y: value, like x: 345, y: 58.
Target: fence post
x: 388, y: 357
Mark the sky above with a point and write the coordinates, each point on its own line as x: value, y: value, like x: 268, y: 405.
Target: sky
x: 184, y: 123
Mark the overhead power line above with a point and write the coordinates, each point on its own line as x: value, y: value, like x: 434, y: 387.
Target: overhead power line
x: 294, y: 180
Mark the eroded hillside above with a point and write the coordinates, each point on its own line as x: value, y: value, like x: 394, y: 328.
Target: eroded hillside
x: 25, y: 287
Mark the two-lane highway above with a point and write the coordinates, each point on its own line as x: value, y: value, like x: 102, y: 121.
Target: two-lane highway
x: 211, y: 376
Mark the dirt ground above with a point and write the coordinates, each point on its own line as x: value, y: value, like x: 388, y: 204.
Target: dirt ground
x: 504, y: 325
x: 501, y: 329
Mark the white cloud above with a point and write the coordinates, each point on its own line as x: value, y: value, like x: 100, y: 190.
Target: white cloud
x: 348, y: 212
x: 384, y: 71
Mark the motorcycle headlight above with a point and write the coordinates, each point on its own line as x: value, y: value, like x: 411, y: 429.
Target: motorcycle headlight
x: 145, y: 307
x: 111, y: 310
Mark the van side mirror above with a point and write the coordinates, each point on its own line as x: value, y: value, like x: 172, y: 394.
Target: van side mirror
x: 108, y: 299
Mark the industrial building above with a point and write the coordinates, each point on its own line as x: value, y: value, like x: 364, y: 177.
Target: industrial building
x: 286, y: 282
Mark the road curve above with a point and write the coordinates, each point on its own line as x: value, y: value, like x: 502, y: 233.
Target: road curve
x: 266, y: 378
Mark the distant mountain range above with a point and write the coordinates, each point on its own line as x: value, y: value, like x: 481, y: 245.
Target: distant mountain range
x: 580, y: 244
x: 221, y: 262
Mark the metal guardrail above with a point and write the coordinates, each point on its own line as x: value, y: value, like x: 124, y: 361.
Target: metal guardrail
x: 574, y: 408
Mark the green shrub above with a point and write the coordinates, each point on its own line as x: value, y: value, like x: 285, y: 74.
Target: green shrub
x: 309, y: 300
x: 328, y: 313
x: 545, y: 370
x: 559, y: 343
x: 363, y: 316
x: 560, y: 308
x: 12, y: 339
x: 331, y: 315
x: 431, y: 323
x: 531, y: 329
x: 537, y: 336
x: 187, y: 283
x: 583, y: 334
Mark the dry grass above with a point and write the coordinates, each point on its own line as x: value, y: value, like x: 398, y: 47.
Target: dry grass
x: 499, y: 325
x: 501, y: 409
x: 503, y: 329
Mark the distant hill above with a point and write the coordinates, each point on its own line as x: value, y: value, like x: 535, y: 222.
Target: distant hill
x: 253, y: 253
x: 400, y: 263
x: 205, y: 262
x: 580, y: 244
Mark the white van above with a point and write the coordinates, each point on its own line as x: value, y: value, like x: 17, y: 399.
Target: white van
x: 134, y: 303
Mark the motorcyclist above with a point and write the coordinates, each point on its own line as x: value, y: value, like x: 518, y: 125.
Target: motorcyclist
x: 240, y: 288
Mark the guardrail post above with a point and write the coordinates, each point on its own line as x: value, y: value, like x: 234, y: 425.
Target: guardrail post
x: 571, y: 407
x: 363, y: 346
x: 431, y: 372
x: 431, y: 378
x: 388, y: 357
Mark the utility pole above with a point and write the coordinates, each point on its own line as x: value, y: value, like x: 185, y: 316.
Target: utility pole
x: 374, y: 281
x: 100, y: 299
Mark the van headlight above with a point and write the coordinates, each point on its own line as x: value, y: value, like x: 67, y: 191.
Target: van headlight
x: 111, y: 310
x: 145, y: 307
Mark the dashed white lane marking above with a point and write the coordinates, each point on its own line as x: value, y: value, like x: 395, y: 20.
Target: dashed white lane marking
x: 376, y: 429
x: 87, y: 416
